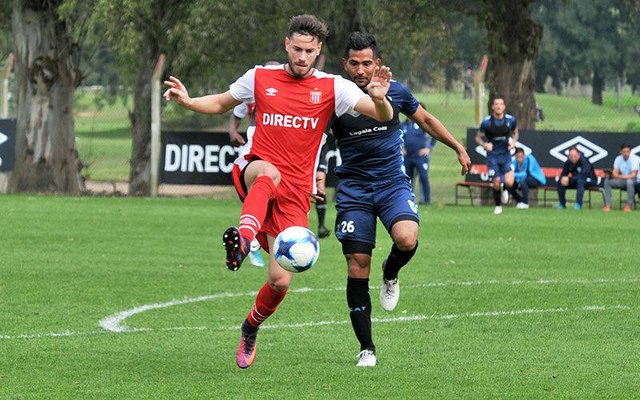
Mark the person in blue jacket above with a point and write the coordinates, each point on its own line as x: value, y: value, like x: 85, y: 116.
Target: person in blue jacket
x: 527, y: 175
x: 417, y: 154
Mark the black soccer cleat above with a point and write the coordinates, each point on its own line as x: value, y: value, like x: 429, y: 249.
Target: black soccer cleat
x: 323, y: 232
x: 236, y: 246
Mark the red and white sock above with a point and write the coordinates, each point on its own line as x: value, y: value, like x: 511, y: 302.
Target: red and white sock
x: 267, y: 302
x: 254, y: 209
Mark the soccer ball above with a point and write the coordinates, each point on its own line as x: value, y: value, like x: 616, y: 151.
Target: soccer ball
x: 296, y: 249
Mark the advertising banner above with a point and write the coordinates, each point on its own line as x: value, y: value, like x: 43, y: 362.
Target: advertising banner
x: 7, y: 144
x: 551, y: 148
x: 206, y: 158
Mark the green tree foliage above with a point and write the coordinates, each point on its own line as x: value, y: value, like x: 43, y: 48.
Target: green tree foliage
x: 594, y: 41
x: 513, y: 39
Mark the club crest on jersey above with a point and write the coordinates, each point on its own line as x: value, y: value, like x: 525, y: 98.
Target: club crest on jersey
x: 413, y: 206
x: 271, y: 91
x: 315, y: 96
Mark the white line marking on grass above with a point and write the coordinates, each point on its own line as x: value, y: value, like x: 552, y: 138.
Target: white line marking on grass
x: 299, y: 325
x: 115, y: 323
x: 51, y: 334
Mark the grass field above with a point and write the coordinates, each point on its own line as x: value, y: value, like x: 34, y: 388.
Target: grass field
x: 535, y: 303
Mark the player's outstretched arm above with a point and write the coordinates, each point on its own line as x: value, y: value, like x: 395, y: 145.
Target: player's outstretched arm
x: 514, y: 138
x: 376, y: 105
x: 432, y: 125
x: 211, y: 104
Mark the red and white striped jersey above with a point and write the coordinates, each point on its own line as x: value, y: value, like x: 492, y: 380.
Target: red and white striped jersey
x: 291, y: 116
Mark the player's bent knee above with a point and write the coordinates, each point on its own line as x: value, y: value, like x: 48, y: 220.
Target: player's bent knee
x: 279, y: 284
x: 272, y: 172
x: 358, y: 260
x: 407, y: 243
x: 405, y: 235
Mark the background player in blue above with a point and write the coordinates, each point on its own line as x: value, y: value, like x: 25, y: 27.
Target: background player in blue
x: 498, y: 134
x: 417, y: 154
x: 372, y: 184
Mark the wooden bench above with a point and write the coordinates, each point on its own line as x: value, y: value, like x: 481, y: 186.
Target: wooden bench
x: 478, y: 178
x: 469, y: 185
x: 554, y: 200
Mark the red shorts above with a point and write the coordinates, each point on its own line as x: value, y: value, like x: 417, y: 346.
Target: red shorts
x: 289, y: 207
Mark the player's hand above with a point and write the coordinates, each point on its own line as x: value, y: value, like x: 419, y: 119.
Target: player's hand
x: 236, y: 138
x: 488, y: 146
x: 380, y: 82
x: 176, y: 92
x: 424, y: 152
x: 318, y: 196
x: 465, y: 161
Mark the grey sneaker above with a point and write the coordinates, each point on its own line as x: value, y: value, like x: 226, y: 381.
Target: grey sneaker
x: 367, y: 359
x: 389, y: 292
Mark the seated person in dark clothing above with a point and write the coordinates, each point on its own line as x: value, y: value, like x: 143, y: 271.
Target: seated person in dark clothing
x: 577, y: 173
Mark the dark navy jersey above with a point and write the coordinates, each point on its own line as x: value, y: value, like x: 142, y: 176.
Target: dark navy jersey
x: 580, y: 170
x: 498, y: 132
x: 415, y: 139
x: 370, y: 149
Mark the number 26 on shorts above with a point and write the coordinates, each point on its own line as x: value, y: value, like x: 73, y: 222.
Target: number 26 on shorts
x: 347, y: 227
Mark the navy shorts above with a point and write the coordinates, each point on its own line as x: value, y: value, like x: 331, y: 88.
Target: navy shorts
x: 360, y: 203
x: 499, y: 165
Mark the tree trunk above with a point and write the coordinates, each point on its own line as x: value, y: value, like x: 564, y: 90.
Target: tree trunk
x: 597, y: 84
x: 514, y: 39
x: 451, y: 72
x: 140, y: 117
x: 46, y: 67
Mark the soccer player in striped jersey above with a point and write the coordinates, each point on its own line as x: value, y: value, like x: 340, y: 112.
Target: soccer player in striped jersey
x: 372, y: 184
x: 294, y: 104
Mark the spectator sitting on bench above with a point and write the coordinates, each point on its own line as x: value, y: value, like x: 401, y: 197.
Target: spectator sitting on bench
x: 623, y: 176
x: 577, y: 173
x: 497, y: 135
x: 528, y: 175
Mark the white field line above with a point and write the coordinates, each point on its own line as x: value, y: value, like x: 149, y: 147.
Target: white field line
x: 407, y: 318
x: 115, y: 322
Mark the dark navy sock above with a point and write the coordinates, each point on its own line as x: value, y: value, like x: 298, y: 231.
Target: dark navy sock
x: 359, y: 303
x: 396, y: 260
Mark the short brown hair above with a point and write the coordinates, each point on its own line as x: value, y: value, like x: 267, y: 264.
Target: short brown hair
x: 308, y: 25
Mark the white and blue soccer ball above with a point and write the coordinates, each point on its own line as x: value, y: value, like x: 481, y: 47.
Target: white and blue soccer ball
x: 296, y: 249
